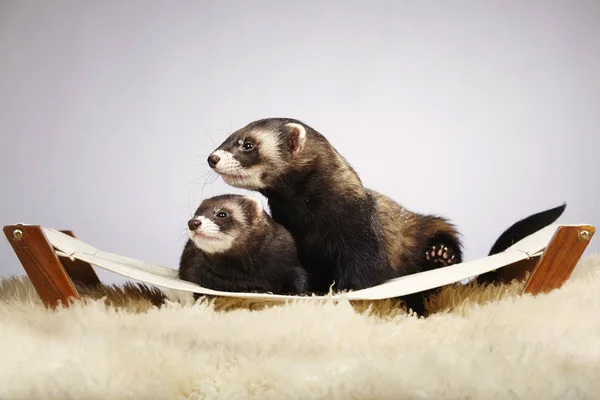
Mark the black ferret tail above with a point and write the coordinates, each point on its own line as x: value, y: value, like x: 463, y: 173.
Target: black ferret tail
x: 525, y: 227
x: 518, y: 231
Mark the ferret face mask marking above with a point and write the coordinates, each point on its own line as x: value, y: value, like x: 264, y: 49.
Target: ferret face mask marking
x: 257, y: 154
x: 221, y: 221
x: 210, y: 231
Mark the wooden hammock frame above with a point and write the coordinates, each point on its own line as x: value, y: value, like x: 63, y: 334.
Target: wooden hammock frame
x: 53, y: 276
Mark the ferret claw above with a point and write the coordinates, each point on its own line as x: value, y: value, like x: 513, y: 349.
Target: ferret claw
x: 440, y: 255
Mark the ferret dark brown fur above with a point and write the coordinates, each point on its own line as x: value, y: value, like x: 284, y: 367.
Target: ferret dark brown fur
x: 344, y: 232
x: 235, y: 246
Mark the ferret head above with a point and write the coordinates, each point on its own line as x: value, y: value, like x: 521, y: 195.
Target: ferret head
x: 224, y: 222
x: 257, y: 155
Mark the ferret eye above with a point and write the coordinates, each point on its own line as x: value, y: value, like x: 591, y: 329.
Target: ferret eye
x: 247, y: 146
x: 222, y: 214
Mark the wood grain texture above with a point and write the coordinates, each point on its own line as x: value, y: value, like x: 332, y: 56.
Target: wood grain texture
x: 41, y: 264
x: 559, y: 259
x: 79, y: 271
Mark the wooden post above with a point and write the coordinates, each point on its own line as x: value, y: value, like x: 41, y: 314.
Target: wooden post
x: 79, y: 270
x: 559, y: 259
x: 41, y: 264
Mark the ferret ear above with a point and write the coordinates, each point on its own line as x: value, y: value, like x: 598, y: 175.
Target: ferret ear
x: 257, y: 204
x: 297, y: 137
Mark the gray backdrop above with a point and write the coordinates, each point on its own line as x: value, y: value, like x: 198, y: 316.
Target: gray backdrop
x: 481, y: 111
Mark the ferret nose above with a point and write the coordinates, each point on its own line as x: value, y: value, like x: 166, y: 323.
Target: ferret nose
x: 194, y: 224
x: 213, y: 160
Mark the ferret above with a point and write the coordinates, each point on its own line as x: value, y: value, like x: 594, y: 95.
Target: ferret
x: 235, y: 246
x: 346, y: 235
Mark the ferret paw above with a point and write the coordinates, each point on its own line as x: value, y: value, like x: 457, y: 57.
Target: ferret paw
x: 440, y: 254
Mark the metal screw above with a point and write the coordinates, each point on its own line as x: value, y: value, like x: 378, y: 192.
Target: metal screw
x: 584, y: 235
x: 17, y: 234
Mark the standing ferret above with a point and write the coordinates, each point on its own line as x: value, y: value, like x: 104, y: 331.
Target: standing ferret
x: 235, y: 246
x: 346, y: 234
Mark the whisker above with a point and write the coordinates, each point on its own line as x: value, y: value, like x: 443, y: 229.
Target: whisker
x: 207, y: 134
x: 205, y: 182
x: 198, y: 165
x: 242, y: 257
x: 197, y: 179
x: 248, y: 254
x: 214, y: 179
x: 181, y: 237
x: 189, y: 202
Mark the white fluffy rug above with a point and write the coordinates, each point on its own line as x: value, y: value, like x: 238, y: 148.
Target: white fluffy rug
x: 520, y: 347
